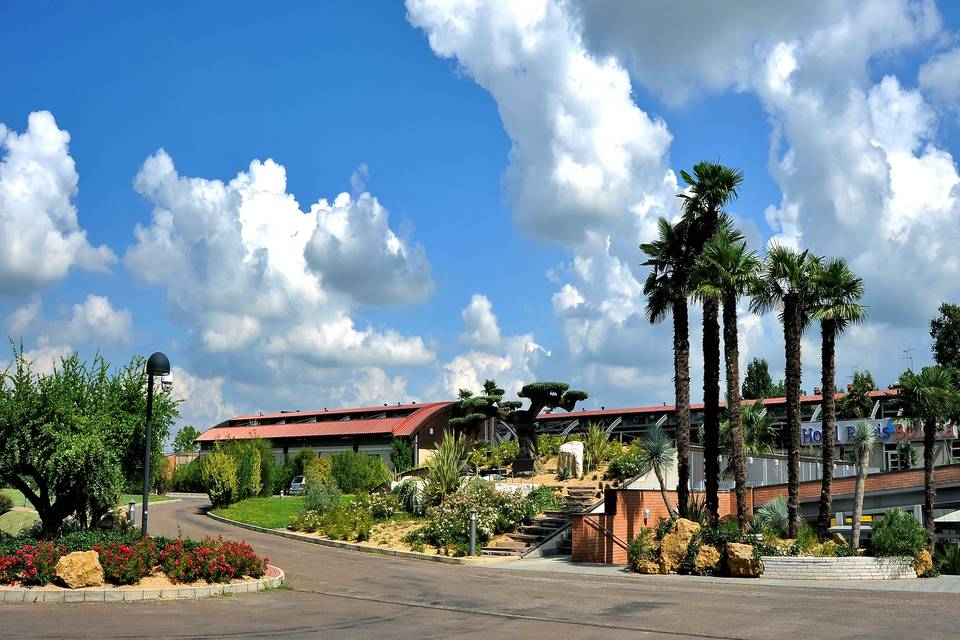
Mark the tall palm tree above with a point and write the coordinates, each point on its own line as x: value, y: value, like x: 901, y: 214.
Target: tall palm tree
x: 864, y: 439
x: 727, y: 269
x: 656, y: 454
x: 786, y: 283
x: 666, y: 289
x: 838, y: 292
x: 927, y: 398
x: 711, y: 187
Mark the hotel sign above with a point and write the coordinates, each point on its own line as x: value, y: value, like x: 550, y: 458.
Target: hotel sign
x: 811, y: 433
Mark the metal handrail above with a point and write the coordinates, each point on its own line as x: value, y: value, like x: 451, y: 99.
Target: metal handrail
x: 610, y: 535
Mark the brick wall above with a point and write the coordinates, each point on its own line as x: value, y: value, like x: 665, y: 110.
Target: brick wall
x: 947, y: 474
x: 852, y: 568
x: 603, y: 537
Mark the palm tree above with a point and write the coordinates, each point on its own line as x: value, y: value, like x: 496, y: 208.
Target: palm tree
x: 711, y: 187
x: 759, y: 434
x: 839, y: 292
x: 785, y: 284
x: 927, y: 398
x: 666, y: 289
x: 864, y: 439
x: 727, y: 269
x: 656, y: 454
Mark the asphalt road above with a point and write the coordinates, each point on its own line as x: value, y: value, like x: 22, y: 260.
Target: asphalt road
x: 341, y: 594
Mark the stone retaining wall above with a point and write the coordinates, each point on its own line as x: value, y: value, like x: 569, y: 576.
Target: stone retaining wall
x: 273, y: 578
x: 852, y: 568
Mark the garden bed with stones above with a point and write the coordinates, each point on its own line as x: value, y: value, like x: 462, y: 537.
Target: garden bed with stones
x: 155, y: 587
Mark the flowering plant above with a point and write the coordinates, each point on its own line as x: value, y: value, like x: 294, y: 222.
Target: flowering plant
x: 126, y: 563
x: 31, y: 564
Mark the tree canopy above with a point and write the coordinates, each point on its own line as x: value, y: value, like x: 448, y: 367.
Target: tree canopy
x: 183, y: 442
x: 758, y: 384
x: 945, y: 331
x: 73, y: 437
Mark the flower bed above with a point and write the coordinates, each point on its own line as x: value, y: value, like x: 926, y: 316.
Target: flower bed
x: 126, y: 560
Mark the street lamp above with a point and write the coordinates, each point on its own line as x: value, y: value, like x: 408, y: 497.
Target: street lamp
x: 157, y: 365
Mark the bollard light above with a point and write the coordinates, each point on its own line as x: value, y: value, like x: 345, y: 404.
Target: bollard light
x: 473, y: 531
x: 132, y: 513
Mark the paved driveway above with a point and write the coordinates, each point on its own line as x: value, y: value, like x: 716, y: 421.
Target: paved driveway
x: 341, y: 594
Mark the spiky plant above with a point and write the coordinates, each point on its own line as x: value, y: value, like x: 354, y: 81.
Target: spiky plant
x: 444, y: 468
x: 657, y: 453
x: 596, y: 447
x: 864, y: 439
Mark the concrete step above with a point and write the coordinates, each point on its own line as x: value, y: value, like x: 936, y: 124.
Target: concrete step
x: 496, y: 551
x: 537, y: 530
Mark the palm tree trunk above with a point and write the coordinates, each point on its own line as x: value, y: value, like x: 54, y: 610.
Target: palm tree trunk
x: 681, y: 380
x: 663, y: 491
x: 711, y: 407
x: 929, y: 489
x: 731, y: 352
x: 862, y: 459
x: 791, y: 322
x: 829, y: 419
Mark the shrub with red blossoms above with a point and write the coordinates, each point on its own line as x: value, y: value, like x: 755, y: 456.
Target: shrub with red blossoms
x: 31, y: 564
x: 211, y: 560
x: 126, y: 563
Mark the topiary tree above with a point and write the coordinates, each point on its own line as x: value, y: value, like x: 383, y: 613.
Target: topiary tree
x: 542, y: 395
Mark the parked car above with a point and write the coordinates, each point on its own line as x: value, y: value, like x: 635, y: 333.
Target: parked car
x: 296, y: 485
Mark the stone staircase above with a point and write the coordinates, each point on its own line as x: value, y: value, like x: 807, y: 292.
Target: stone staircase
x: 529, y: 536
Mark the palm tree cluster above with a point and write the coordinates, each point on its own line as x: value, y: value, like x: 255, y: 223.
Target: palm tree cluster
x: 702, y: 257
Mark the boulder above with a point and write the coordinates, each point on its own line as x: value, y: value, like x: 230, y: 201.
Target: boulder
x: 838, y: 537
x: 80, y: 569
x: 571, y: 457
x: 646, y: 566
x: 740, y: 561
x: 673, y: 546
x: 707, y: 559
x: 922, y: 563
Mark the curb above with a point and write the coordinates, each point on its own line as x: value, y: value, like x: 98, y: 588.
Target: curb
x: 337, y: 544
x: 268, y: 581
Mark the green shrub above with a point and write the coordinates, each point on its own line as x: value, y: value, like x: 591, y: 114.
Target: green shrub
x: 401, y: 454
x: 597, y: 448
x: 947, y: 559
x: 321, y: 496
x: 353, y: 471
x: 161, y: 477
x: 269, y: 469
x: 291, y: 468
x: 806, y: 539
x: 643, y: 548
x: 549, y: 445
x: 898, y: 533
x: 318, y: 471
x: 246, y: 455
x: 772, y: 517
x: 625, y: 463
x: 220, y: 478
x: 505, y: 453
x: 6, y: 503
x: 408, y: 494
x: 544, y: 499
x: 188, y: 478
x: 695, y: 509
x: 347, y: 521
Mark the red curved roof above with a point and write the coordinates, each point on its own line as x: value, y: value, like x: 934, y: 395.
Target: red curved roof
x: 318, y: 424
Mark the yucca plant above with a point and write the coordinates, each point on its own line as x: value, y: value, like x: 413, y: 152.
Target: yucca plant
x: 864, y: 438
x: 596, y: 447
x: 947, y: 559
x: 657, y: 453
x: 772, y: 517
x: 443, y: 469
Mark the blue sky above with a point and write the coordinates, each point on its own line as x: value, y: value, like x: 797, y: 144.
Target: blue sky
x: 526, y: 269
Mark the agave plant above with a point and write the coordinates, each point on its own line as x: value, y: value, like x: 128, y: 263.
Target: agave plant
x: 947, y: 559
x: 772, y: 517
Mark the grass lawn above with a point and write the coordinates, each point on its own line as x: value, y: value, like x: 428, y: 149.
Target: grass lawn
x: 273, y: 512
x: 13, y: 521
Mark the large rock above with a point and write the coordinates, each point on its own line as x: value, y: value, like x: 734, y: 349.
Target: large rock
x: 80, y: 569
x: 922, y: 563
x: 839, y: 538
x: 571, y: 457
x: 673, y: 546
x: 707, y: 559
x: 646, y: 566
x: 740, y: 561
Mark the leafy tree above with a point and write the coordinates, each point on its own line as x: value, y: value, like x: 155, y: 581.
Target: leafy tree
x: 354, y: 471
x: 928, y: 398
x: 945, y: 331
x: 247, y: 457
x: 183, y: 442
x: 670, y: 258
x: 864, y: 439
x: 473, y: 409
x: 758, y: 384
x: 401, y: 454
x: 710, y: 188
x: 858, y: 403
x: 73, y: 437
x: 838, y: 292
x: 657, y: 453
x: 726, y: 270
x: 220, y: 477
x: 786, y: 284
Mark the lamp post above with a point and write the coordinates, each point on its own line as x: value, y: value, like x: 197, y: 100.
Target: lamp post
x: 157, y: 365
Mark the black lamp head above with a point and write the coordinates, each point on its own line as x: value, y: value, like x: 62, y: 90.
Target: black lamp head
x: 158, y: 365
